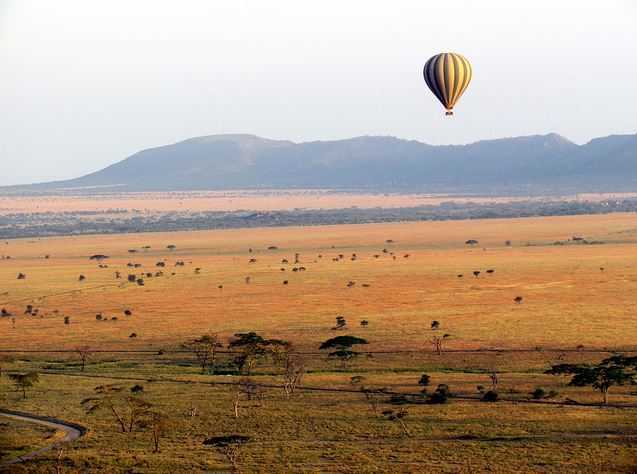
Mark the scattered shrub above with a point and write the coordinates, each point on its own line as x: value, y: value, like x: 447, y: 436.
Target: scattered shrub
x: 490, y: 396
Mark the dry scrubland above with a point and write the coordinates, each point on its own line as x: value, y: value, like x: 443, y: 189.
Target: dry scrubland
x: 568, y: 302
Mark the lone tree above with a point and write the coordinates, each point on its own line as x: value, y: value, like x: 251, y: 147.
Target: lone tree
x: 615, y: 370
x: 435, y: 325
x: 397, y: 416
x: 24, y: 381
x: 471, y: 242
x: 342, y: 346
x: 83, y: 352
x: 293, y: 371
x: 253, y: 348
x: 230, y: 446
x: 438, y: 342
x: 157, y: 423
x: 205, y: 350
x: 129, y: 411
x: 372, y: 397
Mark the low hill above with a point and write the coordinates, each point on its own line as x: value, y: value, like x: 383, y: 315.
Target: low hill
x: 517, y: 164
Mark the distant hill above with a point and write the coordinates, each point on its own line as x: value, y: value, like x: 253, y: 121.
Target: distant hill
x: 515, y: 164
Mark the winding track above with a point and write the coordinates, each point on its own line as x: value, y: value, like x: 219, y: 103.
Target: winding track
x: 72, y: 431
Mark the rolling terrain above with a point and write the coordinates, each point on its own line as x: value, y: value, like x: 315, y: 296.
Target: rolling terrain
x: 519, y: 165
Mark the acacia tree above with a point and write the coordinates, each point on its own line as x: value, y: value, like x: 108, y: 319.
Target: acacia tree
x: 205, y: 350
x: 253, y: 348
x: 342, y: 347
x: 293, y: 372
x: 129, y: 411
x: 230, y: 446
x: 158, y: 424
x: 397, y: 416
x: 372, y: 397
x: 83, y: 352
x: 438, y: 342
x: 615, y: 370
x: 249, y: 390
x: 24, y: 381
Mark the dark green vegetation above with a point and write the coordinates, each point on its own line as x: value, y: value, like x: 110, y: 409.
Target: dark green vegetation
x: 114, y: 222
x: 616, y: 370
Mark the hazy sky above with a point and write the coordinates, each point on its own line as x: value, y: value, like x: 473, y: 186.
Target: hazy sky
x: 85, y: 83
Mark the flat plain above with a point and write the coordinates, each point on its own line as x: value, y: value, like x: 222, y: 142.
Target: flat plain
x: 576, y: 276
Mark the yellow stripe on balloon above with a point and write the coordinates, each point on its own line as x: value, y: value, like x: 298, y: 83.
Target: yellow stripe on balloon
x: 450, y: 78
x: 440, y: 78
x: 460, y: 76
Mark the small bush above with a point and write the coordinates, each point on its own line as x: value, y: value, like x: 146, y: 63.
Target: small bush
x: 437, y: 398
x: 440, y: 395
x: 398, y: 400
x: 538, y: 393
x: 490, y: 396
x: 226, y: 440
x: 444, y: 388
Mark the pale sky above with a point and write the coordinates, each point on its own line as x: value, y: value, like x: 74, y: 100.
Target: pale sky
x: 86, y: 83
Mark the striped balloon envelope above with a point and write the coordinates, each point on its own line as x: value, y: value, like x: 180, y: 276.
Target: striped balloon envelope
x: 447, y: 75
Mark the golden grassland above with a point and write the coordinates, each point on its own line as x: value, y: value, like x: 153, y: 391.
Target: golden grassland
x: 568, y: 302
x: 261, y: 200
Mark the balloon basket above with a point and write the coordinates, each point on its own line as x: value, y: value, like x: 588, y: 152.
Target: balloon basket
x: 449, y: 112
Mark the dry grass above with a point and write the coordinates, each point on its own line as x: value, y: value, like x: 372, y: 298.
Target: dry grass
x: 233, y: 200
x: 568, y: 301
x: 327, y: 432
x: 20, y: 437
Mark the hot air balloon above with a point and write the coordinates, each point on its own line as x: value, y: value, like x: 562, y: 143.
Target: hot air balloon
x: 447, y: 75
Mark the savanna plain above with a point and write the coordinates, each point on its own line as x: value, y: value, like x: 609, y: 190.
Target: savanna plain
x: 201, y: 351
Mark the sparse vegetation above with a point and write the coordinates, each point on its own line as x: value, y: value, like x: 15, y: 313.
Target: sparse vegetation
x: 291, y: 401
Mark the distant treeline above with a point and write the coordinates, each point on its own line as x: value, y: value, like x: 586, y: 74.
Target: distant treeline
x: 78, y: 223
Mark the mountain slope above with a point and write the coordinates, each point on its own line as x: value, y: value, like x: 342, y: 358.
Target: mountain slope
x: 247, y: 161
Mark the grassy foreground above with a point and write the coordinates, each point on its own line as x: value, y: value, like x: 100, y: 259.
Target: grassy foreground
x: 577, y: 306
